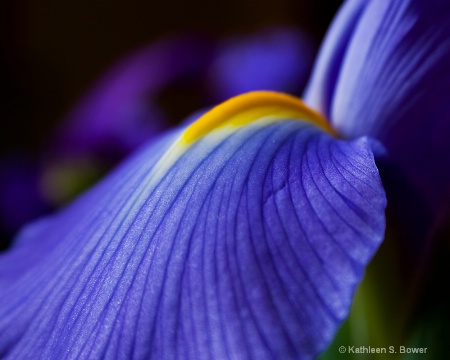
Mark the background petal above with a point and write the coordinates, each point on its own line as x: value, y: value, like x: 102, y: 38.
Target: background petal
x: 248, y: 244
x: 278, y: 59
x: 392, y: 83
x: 121, y: 112
x: 21, y: 200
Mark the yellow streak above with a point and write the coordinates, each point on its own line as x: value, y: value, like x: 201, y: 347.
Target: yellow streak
x: 243, y: 109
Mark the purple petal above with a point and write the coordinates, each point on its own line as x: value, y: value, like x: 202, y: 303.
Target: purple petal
x: 320, y: 90
x: 120, y: 113
x: 21, y: 198
x: 277, y: 59
x: 390, y: 81
x: 248, y: 243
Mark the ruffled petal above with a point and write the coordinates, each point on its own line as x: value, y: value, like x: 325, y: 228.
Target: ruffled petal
x: 392, y: 83
x: 242, y: 237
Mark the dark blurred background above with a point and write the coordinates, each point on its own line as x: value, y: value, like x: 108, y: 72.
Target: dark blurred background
x: 52, y: 51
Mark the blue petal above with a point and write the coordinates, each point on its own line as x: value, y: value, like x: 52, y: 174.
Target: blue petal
x: 277, y: 59
x: 320, y: 90
x: 21, y: 200
x: 390, y: 79
x: 248, y: 243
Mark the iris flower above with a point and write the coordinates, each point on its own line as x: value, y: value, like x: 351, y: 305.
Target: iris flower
x: 244, y: 233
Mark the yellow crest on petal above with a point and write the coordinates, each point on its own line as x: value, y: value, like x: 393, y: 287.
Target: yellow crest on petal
x: 243, y: 109
x: 237, y: 112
